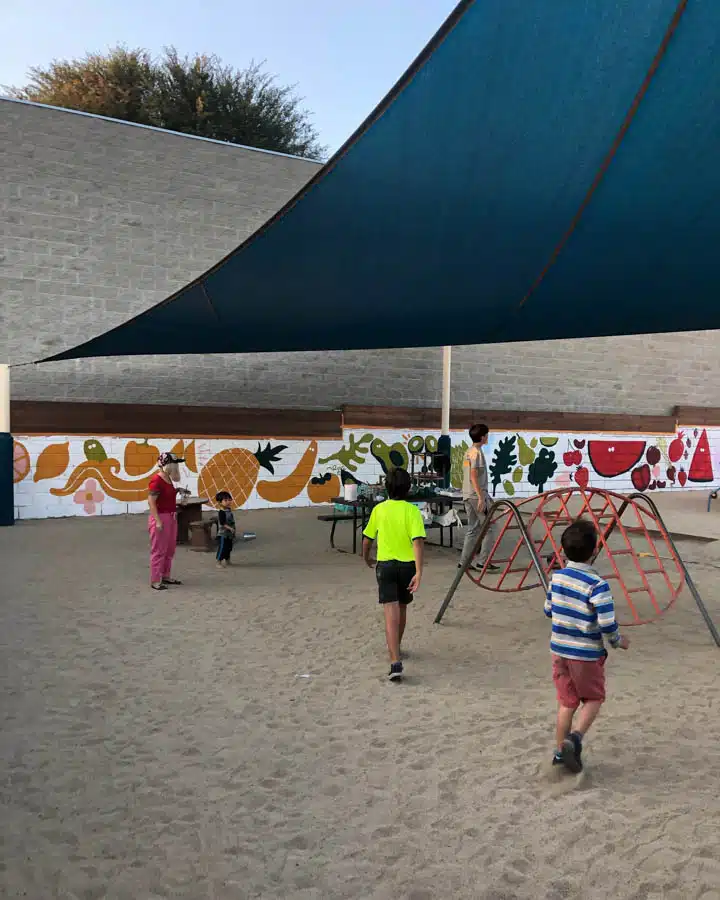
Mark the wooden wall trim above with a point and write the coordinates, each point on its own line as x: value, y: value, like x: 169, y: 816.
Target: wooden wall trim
x: 697, y: 415
x: 499, y: 420
x: 150, y: 420
x: 33, y: 417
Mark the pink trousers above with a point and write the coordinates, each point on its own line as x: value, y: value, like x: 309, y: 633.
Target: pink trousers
x: 162, y: 546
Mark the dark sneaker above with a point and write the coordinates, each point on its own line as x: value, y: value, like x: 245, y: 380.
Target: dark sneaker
x: 577, y: 740
x: 396, y: 671
x: 557, y: 760
x: 571, y: 753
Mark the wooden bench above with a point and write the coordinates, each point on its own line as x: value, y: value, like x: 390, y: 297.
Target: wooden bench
x: 202, y: 537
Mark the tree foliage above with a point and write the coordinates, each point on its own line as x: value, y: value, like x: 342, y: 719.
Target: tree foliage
x: 194, y: 95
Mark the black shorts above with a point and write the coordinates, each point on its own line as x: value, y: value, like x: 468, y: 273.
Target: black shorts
x: 393, y: 580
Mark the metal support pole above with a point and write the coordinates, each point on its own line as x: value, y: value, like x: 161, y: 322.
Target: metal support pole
x: 7, y: 503
x: 447, y: 367
x: 688, y: 579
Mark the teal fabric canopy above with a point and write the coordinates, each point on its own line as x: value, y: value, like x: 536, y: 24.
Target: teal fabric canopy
x: 543, y: 170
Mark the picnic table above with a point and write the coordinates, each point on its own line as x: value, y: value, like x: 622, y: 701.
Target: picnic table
x: 358, y: 512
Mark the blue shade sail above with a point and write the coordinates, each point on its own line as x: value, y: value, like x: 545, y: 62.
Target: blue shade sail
x: 437, y: 220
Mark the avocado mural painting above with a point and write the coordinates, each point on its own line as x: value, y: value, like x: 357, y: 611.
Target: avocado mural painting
x: 68, y: 476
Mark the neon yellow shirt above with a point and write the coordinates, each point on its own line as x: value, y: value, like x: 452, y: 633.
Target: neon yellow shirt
x: 395, y: 524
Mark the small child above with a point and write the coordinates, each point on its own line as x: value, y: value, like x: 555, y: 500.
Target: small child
x: 400, y: 531
x: 226, y: 528
x: 582, y: 610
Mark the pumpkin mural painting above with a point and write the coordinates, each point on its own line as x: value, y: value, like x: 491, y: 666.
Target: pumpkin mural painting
x: 141, y: 458
x: 324, y: 488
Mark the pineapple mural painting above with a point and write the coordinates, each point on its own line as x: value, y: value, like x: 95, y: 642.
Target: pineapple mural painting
x: 236, y: 470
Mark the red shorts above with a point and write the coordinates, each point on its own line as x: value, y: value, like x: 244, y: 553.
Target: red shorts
x: 578, y: 681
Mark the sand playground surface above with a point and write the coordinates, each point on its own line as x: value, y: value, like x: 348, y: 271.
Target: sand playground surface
x: 236, y: 737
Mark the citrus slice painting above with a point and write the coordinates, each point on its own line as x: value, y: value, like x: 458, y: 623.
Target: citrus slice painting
x: 21, y: 462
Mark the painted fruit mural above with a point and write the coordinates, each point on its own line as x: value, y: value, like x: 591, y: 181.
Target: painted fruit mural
x: 324, y: 488
x: 613, y: 458
x: 236, y: 470
x: 313, y: 472
x: 141, y: 458
x: 288, y: 488
x: 21, y: 462
x: 701, y: 469
x: 52, y: 461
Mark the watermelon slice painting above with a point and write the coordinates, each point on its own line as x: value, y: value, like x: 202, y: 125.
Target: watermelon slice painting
x: 701, y: 469
x: 613, y: 458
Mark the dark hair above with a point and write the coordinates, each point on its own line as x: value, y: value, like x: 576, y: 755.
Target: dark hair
x: 579, y: 541
x: 398, y: 484
x: 478, y: 432
x: 223, y: 495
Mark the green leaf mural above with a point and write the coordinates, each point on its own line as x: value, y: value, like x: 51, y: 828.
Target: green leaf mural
x: 457, y: 455
x: 543, y: 469
x: 352, y: 454
x: 503, y: 460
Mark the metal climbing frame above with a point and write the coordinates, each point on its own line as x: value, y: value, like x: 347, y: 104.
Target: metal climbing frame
x: 606, y: 510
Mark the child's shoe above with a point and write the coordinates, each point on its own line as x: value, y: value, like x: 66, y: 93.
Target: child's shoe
x: 396, y: 671
x: 571, y: 753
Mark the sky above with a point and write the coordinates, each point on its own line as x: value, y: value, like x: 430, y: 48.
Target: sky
x: 343, y: 56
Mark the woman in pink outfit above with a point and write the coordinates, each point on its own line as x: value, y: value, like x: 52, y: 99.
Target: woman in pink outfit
x: 162, y: 525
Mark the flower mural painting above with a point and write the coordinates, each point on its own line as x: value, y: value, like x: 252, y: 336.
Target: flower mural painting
x: 89, y: 496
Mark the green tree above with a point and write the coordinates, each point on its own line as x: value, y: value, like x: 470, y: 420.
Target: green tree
x: 543, y: 469
x: 194, y: 95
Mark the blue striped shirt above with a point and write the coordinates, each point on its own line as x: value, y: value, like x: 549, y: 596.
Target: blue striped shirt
x: 582, y: 610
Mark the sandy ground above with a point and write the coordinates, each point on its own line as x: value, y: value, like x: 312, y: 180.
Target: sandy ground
x: 165, y: 745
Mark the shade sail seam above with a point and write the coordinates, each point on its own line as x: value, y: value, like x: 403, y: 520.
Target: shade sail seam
x: 612, y: 152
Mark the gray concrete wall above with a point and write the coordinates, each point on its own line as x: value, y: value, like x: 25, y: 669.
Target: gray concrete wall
x: 100, y: 220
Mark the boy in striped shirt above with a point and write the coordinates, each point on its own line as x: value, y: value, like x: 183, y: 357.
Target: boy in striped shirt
x: 581, y: 607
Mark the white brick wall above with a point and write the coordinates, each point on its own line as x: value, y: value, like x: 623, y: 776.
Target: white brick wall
x: 100, y: 220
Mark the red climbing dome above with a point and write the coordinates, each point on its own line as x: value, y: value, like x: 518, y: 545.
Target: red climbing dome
x: 635, y: 552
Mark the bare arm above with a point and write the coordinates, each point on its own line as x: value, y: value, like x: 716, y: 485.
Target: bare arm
x: 419, y: 554
x: 366, y: 550
x: 482, y: 495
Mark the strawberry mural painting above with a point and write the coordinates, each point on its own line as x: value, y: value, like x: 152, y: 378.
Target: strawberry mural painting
x: 641, y: 478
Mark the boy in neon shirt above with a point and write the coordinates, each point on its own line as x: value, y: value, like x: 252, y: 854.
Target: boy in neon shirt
x: 399, y: 530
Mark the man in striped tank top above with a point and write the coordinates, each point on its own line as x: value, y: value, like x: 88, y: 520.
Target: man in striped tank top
x: 582, y: 610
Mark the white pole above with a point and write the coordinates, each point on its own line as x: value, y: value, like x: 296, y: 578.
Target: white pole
x: 447, y: 365
x: 4, y: 398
